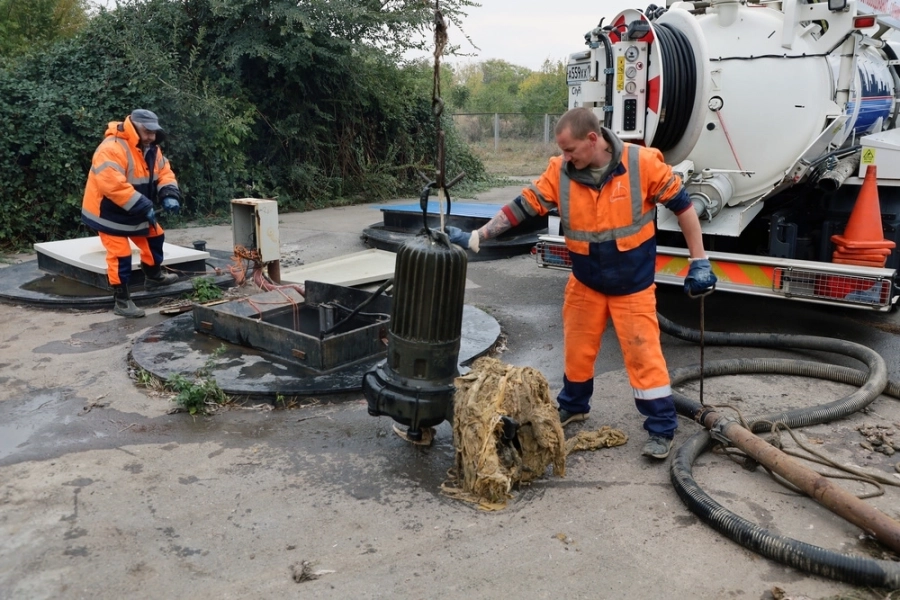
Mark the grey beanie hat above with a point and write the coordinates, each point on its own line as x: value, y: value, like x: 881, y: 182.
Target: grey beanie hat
x: 146, y: 118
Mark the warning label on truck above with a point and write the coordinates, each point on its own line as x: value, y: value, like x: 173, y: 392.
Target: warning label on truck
x: 620, y: 73
x: 868, y: 156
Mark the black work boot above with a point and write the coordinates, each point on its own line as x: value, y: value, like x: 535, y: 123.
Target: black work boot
x: 125, y: 306
x: 155, y: 277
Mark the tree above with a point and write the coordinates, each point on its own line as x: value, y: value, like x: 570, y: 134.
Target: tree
x: 545, y: 91
x: 262, y: 98
x: 35, y: 24
x: 459, y: 97
x: 493, y: 85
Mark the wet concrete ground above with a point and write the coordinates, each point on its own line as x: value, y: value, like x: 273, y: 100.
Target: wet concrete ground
x: 105, y: 495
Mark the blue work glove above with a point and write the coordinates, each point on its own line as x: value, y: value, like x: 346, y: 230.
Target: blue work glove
x: 463, y: 239
x: 170, y: 205
x: 151, y: 217
x: 700, y: 278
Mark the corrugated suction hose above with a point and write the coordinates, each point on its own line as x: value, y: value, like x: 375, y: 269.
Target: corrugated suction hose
x: 800, y: 555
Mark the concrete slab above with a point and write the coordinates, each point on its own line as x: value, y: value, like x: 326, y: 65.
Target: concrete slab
x: 90, y: 255
x: 25, y: 283
x: 351, y: 269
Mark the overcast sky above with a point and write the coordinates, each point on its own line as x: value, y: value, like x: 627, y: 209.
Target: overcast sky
x: 527, y: 32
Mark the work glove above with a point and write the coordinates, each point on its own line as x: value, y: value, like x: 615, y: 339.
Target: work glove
x: 464, y: 239
x: 170, y: 205
x: 700, y: 278
x: 151, y: 217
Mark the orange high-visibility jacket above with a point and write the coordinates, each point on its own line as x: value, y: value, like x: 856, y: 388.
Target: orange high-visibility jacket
x: 121, y: 185
x: 609, y: 228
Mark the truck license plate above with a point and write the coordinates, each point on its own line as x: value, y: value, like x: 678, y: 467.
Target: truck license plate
x: 578, y: 72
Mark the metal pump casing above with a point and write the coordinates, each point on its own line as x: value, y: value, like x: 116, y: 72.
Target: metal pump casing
x: 414, y: 385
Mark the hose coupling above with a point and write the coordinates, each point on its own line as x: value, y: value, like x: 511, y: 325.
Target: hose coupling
x: 717, y: 431
x: 701, y: 416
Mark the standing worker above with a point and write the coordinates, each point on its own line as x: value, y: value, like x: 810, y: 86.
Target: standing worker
x: 128, y: 173
x: 606, y: 192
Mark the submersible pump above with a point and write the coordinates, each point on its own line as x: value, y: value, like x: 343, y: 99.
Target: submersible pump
x: 414, y: 384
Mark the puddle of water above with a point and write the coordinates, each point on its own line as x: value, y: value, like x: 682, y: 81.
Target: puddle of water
x: 20, y: 422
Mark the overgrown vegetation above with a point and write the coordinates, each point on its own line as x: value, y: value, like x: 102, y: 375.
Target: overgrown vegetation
x: 36, y: 24
x: 200, y: 396
x: 496, y: 86
x: 306, y: 104
x: 311, y: 104
x: 144, y: 378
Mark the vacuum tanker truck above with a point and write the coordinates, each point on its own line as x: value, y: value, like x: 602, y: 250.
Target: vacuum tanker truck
x: 773, y: 113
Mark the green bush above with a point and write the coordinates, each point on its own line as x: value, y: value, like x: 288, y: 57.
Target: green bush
x: 259, y: 98
x: 36, y: 24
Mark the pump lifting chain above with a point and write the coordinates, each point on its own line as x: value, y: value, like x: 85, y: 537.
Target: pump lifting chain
x: 437, y: 108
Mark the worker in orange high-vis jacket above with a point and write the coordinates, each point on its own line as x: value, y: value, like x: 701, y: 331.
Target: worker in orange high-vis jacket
x: 128, y: 175
x: 606, y: 192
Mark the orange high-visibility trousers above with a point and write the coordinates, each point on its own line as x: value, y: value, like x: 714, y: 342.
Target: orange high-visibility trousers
x: 118, y: 254
x: 585, y: 314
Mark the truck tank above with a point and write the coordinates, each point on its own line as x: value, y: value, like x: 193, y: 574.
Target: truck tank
x: 745, y: 100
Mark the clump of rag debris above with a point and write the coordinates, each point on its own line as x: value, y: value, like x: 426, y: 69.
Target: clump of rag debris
x: 506, y: 432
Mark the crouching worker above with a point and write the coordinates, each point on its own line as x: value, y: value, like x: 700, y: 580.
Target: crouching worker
x: 128, y: 174
x: 606, y: 191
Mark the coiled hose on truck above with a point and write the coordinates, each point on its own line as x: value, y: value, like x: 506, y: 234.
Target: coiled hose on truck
x: 794, y: 553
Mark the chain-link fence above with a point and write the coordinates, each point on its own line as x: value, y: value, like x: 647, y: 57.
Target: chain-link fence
x: 482, y: 128
x: 510, y: 143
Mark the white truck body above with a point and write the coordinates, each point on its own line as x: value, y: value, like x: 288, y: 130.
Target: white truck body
x: 772, y: 113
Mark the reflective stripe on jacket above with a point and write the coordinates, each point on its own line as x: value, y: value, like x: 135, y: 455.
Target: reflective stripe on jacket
x: 120, y: 185
x: 609, y: 228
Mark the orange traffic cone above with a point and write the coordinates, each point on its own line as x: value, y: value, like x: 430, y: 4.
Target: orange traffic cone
x: 869, y: 254
x: 878, y: 262
x: 864, y: 235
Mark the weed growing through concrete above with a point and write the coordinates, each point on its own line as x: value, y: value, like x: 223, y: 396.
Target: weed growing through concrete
x: 202, y: 395
x: 144, y: 378
x: 205, y: 290
x: 197, y: 397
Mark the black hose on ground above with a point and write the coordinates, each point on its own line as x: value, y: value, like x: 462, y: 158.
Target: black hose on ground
x: 794, y: 553
x: 874, y: 385
x: 812, y: 559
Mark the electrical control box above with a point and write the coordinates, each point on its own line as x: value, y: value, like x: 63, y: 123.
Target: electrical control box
x: 882, y: 150
x: 629, y: 97
x: 254, y: 227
